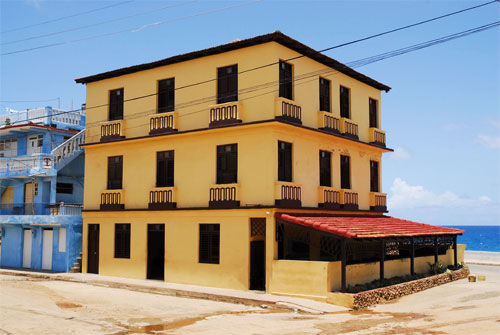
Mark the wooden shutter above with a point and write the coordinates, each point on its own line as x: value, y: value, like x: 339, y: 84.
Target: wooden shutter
x: 374, y: 187
x: 285, y: 80
x: 115, y: 172
x: 165, y: 168
x: 325, y: 169
x: 209, y: 246
x: 324, y: 95
x: 344, y: 102
x: 116, y: 104
x: 122, y: 240
x: 284, y: 161
x: 373, y: 113
x: 166, y: 95
x: 345, y: 172
x: 227, y: 164
x: 227, y: 84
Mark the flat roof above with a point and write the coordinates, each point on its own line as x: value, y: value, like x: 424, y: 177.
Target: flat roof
x: 276, y: 36
x: 368, y: 226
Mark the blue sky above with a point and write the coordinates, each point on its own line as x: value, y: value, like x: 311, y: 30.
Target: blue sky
x: 442, y: 115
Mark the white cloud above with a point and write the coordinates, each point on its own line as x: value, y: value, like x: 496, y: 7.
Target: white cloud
x: 405, y: 196
x: 399, y: 154
x: 492, y: 142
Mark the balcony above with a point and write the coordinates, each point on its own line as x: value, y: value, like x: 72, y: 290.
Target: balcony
x: 377, y: 136
x: 226, y: 113
x: 378, y: 202
x: 329, y: 198
x: 329, y: 122
x: 112, y: 130
x: 224, y: 196
x: 287, y: 195
x: 349, y: 200
x: 26, y: 165
x: 288, y: 110
x: 65, y: 209
x: 349, y: 128
x: 112, y: 200
x: 162, y: 198
x: 24, y: 209
x: 163, y: 123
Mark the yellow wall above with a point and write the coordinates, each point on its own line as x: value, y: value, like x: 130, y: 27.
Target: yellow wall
x: 257, y: 91
x: 362, y: 273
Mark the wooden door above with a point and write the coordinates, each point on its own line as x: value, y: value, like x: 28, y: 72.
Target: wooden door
x: 93, y: 249
x: 156, y: 251
x: 28, y: 199
x: 258, y: 265
x: 27, y: 248
x: 48, y: 242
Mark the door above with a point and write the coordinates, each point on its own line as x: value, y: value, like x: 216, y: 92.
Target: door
x: 93, y: 249
x: 27, y: 248
x: 156, y: 251
x: 28, y: 199
x: 35, y: 144
x: 48, y: 235
x: 258, y: 265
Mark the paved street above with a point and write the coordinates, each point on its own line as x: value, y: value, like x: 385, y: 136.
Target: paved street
x: 32, y: 306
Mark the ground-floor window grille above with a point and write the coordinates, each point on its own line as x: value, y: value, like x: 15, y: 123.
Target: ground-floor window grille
x: 209, y: 243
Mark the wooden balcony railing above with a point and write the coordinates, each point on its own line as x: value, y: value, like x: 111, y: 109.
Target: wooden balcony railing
x: 288, y: 110
x: 288, y: 195
x: 163, y: 123
x: 378, y: 202
x: 349, y: 199
x: 224, y: 196
x: 112, y: 130
x: 329, y: 122
x: 112, y: 200
x: 226, y: 113
x: 349, y: 128
x: 329, y: 198
x: 162, y: 198
x: 377, y: 136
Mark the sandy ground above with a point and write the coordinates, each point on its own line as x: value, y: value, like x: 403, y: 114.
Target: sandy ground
x: 29, y: 306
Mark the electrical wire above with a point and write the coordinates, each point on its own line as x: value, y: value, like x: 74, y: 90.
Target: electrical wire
x: 100, y: 23
x: 66, y: 17
x: 136, y: 29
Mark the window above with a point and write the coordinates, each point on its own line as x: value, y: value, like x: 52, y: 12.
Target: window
x: 122, y: 240
x: 35, y: 144
x: 166, y: 95
x: 66, y: 188
x: 209, y: 243
x: 115, y: 172
x: 286, y: 80
x: 62, y: 239
x: 8, y: 147
x: 374, y: 176
x: 165, y: 168
x: 227, y: 164
x: 324, y: 95
x: 344, y: 102
x: 345, y: 172
x: 325, y: 168
x: 284, y: 161
x: 373, y: 113
x: 227, y: 84
x: 35, y: 188
x: 116, y: 104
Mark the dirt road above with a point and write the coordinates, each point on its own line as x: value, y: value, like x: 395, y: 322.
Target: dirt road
x: 30, y: 306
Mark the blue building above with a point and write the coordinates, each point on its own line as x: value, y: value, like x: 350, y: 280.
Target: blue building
x: 41, y: 188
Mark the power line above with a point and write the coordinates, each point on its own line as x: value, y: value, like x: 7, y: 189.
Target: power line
x: 66, y: 17
x: 100, y: 23
x: 136, y: 29
x: 357, y: 63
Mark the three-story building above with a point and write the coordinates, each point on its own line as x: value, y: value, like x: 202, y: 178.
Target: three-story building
x: 198, y: 166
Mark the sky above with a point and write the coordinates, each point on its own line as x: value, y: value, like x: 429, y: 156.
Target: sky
x: 442, y: 115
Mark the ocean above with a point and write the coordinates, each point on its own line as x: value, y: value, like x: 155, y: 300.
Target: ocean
x: 480, y: 238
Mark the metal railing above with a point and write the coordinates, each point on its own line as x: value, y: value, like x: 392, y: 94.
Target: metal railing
x: 40, y: 208
x: 162, y: 122
x: 224, y: 114
x: 111, y: 130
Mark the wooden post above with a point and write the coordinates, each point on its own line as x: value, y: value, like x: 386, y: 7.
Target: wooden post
x: 412, y: 256
x: 343, y: 256
x: 435, y: 249
x: 382, y: 260
x: 455, y: 251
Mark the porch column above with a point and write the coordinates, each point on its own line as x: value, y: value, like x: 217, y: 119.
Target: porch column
x: 435, y: 249
x: 455, y: 251
x: 343, y: 257
x: 53, y: 184
x: 382, y: 260
x: 412, y: 256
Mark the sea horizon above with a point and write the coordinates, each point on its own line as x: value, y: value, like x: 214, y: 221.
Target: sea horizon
x: 479, y: 238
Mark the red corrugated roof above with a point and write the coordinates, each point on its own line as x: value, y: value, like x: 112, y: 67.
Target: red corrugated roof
x: 368, y: 227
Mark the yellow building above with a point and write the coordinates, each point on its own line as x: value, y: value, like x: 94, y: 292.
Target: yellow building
x: 199, y: 167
